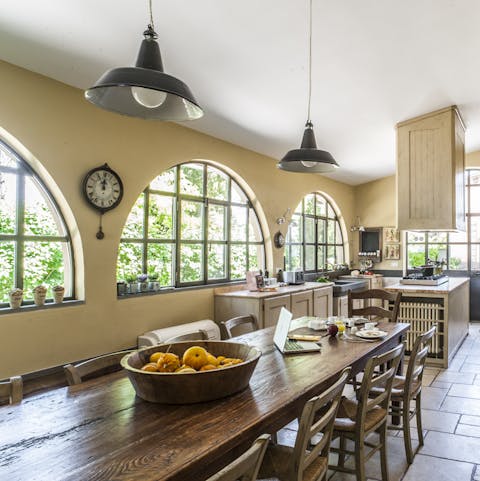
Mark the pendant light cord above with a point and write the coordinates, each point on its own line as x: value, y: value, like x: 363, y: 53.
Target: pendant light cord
x: 151, y: 14
x: 309, y: 62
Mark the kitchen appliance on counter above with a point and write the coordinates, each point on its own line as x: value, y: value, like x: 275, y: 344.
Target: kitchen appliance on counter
x: 293, y: 277
x: 422, y: 280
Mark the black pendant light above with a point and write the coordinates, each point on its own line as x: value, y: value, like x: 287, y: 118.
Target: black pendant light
x: 145, y: 91
x: 308, y: 159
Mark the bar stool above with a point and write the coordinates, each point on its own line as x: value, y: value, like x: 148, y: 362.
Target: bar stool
x: 245, y: 468
x: 304, y: 461
x: 367, y: 414
x: 97, y: 365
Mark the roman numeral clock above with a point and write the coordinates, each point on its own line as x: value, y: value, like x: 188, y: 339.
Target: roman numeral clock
x: 103, y: 190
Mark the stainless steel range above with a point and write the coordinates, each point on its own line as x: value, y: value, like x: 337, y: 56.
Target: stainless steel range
x: 418, y: 279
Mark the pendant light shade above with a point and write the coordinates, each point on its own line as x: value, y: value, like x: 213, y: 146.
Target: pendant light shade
x: 145, y: 91
x: 308, y: 159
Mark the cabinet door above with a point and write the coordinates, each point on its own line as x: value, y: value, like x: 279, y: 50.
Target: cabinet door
x: 430, y: 182
x: 272, y: 307
x: 323, y: 302
x: 302, y: 304
x: 376, y: 283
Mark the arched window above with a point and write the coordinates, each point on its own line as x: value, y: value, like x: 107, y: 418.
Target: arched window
x: 192, y: 225
x: 35, y: 246
x: 314, y: 240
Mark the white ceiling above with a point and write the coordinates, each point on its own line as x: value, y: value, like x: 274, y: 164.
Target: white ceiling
x: 375, y: 62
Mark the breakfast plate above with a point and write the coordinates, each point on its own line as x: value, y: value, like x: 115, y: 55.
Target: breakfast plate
x: 371, y: 334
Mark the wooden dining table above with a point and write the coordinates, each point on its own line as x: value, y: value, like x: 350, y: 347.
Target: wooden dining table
x: 100, y: 430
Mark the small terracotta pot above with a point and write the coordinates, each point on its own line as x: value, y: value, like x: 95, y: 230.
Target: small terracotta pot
x: 39, y: 295
x: 16, y: 297
x: 58, y: 293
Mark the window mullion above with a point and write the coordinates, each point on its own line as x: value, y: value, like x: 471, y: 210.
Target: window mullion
x: 178, y: 224
x: 146, y: 210
x: 20, y: 231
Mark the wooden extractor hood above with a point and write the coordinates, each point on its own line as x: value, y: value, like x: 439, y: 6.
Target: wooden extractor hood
x: 430, y: 172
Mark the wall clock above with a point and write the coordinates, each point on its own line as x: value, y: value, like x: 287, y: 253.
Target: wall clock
x: 279, y: 240
x: 103, y: 190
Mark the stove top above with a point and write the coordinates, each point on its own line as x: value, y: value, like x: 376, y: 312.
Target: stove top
x: 418, y: 279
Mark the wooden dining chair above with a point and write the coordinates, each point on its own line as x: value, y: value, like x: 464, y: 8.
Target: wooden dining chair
x: 231, y: 326
x: 371, y: 295
x: 358, y: 418
x: 245, y: 468
x: 307, y: 462
x: 11, y: 391
x: 408, y: 388
x: 95, y: 366
x: 199, y: 335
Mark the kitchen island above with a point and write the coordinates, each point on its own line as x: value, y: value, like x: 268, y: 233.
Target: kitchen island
x: 446, y: 305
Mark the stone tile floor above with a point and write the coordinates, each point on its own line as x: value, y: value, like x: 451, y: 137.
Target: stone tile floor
x: 451, y: 423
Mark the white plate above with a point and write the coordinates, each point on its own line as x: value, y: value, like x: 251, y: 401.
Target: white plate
x: 371, y: 334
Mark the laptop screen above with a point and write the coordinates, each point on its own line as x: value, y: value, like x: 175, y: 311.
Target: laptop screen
x: 283, y: 326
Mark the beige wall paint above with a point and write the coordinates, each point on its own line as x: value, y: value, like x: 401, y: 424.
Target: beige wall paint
x: 68, y: 136
x: 472, y: 159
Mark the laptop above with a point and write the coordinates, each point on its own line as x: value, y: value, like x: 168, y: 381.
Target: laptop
x: 288, y: 346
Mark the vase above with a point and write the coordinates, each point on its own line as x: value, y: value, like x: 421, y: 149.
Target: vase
x: 39, y: 295
x: 15, y: 296
x: 58, y: 292
x: 132, y: 288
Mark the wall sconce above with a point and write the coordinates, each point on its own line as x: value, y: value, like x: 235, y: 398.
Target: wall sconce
x: 281, y: 220
x: 358, y: 227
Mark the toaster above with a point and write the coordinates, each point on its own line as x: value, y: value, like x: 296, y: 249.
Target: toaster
x: 293, y: 277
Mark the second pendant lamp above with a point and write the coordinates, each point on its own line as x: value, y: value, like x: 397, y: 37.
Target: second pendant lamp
x: 308, y: 159
x: 145, y: 91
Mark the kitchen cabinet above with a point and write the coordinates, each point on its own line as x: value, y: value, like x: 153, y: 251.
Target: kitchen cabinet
x: 272, y: 307
x: 311, y: 298
x: 430, y: 172
x: 374, y: 282
x: 322, y: 302
x: 302, y: 304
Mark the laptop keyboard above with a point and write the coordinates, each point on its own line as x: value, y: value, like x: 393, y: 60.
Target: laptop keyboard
x: 291, y: 345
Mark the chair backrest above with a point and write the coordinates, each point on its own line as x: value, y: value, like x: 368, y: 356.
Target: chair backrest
x: 246, y: 467
x: 199, y: 335
x: 372, y: 310
x: 230, y: 325
x: 11, y: 391
x: 318, y: 416
x: 97, y: 365
x: 416, y: 363
x: 377, y: 383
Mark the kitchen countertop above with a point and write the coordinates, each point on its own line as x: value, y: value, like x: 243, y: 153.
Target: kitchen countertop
x: 280, y: 290
x: 452, y: 284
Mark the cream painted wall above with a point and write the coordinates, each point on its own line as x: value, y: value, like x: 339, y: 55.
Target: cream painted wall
x: 375, y: 205
x: 68, y: 136
x: 472, y: 159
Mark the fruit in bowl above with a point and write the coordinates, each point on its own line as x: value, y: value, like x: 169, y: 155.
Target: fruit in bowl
x: 227, y: 371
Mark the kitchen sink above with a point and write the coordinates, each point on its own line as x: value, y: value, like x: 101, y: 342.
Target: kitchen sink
x: 342, y: 287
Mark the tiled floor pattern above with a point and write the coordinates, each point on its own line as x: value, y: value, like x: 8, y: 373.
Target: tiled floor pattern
x: 451, y: 423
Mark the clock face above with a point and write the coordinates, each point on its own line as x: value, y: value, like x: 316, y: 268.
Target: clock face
x: 103, y: 188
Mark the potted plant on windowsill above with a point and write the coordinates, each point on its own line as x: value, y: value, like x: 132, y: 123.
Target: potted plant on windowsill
x: 132, y: 287
x: 142, y: 284
x: 153, y: 284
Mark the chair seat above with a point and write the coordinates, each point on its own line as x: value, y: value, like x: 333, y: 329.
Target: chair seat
x: 399, y: 387
x: 347, y: 411
x: 277, y: 463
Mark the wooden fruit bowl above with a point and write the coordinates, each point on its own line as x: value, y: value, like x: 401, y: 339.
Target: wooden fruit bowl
x: 189, y: 388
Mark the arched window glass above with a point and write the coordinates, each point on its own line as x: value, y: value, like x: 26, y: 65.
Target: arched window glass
x: 192, y: 225
x: 35, y: 246
x: 314, y: 239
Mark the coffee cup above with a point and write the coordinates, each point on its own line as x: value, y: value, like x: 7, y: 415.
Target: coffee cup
x: 369, y: 326
x: 351, y: 322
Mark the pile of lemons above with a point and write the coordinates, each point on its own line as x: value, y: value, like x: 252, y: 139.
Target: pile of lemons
x: 194, y: 359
